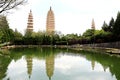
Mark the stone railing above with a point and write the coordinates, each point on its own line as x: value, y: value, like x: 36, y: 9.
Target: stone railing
x: 105, y: 45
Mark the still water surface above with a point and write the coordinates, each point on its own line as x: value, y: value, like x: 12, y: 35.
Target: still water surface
x: 58, y: 64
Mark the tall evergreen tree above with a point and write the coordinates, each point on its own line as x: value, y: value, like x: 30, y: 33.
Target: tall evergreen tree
x: 116, y: 28
x: 4, y: 28
x: 111, y: 25
x: 105, y: 26
x: 3, y: 22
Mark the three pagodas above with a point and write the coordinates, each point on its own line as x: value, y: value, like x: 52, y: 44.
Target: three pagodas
x: 50, y: 23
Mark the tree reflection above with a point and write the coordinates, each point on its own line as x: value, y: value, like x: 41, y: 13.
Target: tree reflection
x: 107, y: 61
x: 4, y: 62
x: 48, y: 54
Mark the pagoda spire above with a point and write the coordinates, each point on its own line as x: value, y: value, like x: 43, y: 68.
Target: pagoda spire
x: 30, y: 11
x: 50, y: 8
x: 93, y: 24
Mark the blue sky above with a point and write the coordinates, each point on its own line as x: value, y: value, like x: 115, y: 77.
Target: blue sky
x: 71, y: 16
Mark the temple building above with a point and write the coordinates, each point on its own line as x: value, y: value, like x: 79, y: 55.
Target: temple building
x: 93, y: 24
x: 50, y: 22
x: 30, y: 22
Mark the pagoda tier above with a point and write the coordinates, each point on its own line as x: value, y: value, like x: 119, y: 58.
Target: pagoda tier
x: 30, y: 22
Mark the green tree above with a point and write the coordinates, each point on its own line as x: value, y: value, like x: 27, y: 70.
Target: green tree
x: 38, y: 37
x: 116, y: 28
x: 102, y: 36
x: 89, y: 33
x: 4, y: 28
x: 55, y: 38
x: 1, y: 35
x: 17, y: 35
x: 105, y: 26
x: 111, y: 25
x: 72, y: 38
x: 3, y: 22
x: 28, y: 34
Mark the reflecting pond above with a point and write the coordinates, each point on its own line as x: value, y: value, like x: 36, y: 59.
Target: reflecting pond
x: 58, y: 64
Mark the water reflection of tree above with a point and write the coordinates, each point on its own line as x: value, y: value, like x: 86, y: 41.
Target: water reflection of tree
x: 29, y: 53
x: 50, y: 64
x: 108, y: 62
x: 4, y: 62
